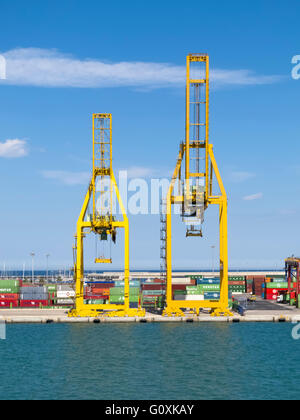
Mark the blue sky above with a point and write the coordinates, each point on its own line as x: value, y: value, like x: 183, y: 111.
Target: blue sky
x: 65, y: 61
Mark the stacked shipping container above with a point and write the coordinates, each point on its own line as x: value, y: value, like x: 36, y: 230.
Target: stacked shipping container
x: 9, y: 293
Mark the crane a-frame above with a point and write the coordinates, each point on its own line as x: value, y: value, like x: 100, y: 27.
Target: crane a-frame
x: 195, y: 193
x: 97, y: 217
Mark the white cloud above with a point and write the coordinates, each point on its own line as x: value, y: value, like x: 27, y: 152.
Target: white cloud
x: 241, y: 176
x: 13, y: 148
x: 68, y: 178
x: 253, y: 197
x: 50, y: 68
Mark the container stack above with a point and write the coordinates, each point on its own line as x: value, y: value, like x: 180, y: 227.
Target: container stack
x: 205, y: 289
x: 97, y: 293
x: 249, y: 284
x: 237, y: 284
x: 9, y: 293
x: 153, y: 294
x: 52, y: 290
x: 65, y: 295
x: 116, y: 296
x: 258, y: 282
x: 34, y: 296
x: 276, y: 288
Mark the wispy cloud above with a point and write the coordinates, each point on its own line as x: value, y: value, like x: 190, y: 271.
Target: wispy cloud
x: 253, y: 197
x: 13, y: 148
x: 287, y: 212
x: 146, y: 172
x: 68, y: 178
x: 50, y: 68
x: 82, y: 178
x: 241, y: 176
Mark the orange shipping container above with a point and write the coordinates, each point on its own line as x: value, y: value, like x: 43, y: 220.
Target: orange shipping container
x: 100, y: 291
x: 9, y: 296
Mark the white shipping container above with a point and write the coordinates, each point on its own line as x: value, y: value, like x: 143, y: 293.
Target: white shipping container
x: 65, y: 294
x: 181, y: 280
x: 194, y: 297
x: 64, y: 288
x: 189, y: 297
x: 64, y: 302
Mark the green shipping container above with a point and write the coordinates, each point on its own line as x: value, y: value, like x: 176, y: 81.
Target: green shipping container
x: 120, y: 299
x: 116, y: 290
x: 277, y: 285
x: 8, y: 290
x: 132, y: 283
x: 190, y: 292
x: 51, y: 288
x: 207, y: 288
x: 180, y: 292
x: 9, y: 283
x: 94, y: 302
x: 153, y: 292
x: 120, y: 291
x: 191, y: 288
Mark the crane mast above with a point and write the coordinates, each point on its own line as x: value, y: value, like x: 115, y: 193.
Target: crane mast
x: 97, y: 217
x: 195, y: 193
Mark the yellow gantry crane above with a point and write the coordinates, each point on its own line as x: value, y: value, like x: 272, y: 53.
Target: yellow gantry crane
x: 195, y: 193
x: 97, y: 217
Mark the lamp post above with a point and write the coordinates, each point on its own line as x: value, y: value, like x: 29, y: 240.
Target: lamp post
x: 47, y: 256
x: 32, y: 266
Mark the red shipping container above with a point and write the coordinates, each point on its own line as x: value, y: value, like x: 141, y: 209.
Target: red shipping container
x: 94, y: 297
x: 102, y: 285
x: 9, y: 296
x: 179, y: 286
x: 271, y: 297
x: 33, y: 303
x: 270, y: 291
x: 236, y: 283
x: 153, y: 287
x: 6, y: 303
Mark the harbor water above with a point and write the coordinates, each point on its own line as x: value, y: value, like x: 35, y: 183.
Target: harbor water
x: 150, y: 361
